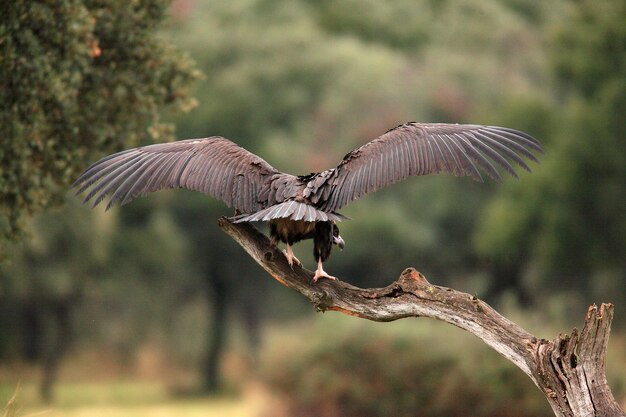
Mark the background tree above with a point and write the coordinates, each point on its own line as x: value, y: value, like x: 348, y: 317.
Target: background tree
x: 78, y: 79
x: 567, y: 223
x: 39, y: 291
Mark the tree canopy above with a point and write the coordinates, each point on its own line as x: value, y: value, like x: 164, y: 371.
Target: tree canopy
x: 567, y: 222
x: 79, y: 79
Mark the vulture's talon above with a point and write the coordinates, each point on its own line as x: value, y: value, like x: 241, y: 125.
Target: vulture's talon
x: 320, y: 273
x: 323, y: 275
x: 291, y: 258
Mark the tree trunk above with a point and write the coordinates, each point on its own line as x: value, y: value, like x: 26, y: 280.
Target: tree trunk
x: 217, y: 294
x: 507, y: 276
x: 58, y: 343
x: 568, y: 370
x: 249, y: 313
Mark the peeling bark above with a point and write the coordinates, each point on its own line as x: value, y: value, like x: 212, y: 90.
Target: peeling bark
x: 570, y: 370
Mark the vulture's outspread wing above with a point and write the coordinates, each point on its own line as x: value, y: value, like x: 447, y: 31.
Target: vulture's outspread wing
x: 421, y: 149
x: 215, y: 166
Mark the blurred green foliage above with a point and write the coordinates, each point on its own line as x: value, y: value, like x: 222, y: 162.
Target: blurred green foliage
x: 339, y: 368
x: 301, y: 83
x: 567, y: 221
x: 78, y: 79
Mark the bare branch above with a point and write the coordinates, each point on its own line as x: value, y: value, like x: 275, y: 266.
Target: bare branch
x: 569, y: 370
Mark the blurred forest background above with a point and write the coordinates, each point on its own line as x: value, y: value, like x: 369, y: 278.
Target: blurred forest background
x: 151, y: 308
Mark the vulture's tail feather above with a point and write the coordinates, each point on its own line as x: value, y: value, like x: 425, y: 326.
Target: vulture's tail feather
x: 292, y: 210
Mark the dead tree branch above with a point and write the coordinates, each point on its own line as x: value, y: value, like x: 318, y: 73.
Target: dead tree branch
x: 569, y: 370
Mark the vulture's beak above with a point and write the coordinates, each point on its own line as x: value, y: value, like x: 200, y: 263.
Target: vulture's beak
x: 339, y: 242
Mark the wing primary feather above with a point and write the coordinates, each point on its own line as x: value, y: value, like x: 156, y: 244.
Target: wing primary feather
x: 420, y: 150
x: 401, y: 171
x: 343, y: 191
x: 493, y: 154
x: 336, y: 193
x: 98, y: 165
x: 371, y: 184
x: 201, y: 181
x: 211, y: 182
x: 131, y: 180
x: 359, y: 181
x: 348, y: 194
x: 242, y: 192
x: 410, y: 157
x: 503, y: 149
x: 158, y: 180
x: 431, y: 161
x: 214, y: 173
x: 183, y: 169
x: 134, y: 190
x: 173, y: 179
x: 471, y: 169
x: 389, y: 166
x: 479, y: 158
x: 510, y: 143
x: 382, y: 170
x: 519, y: 133
x: 104, y: 170
x: 395, y: 167
x: 110, y: 183
x: 452, y: 156
x: 227, y: 193
x: 125, y: 180
x: 442, y: 162
x: 219, y: 176
x: 110, y: 177
x: 516, y: 136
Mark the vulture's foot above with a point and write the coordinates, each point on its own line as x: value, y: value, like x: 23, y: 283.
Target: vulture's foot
x: 291, y: 258
x: 323, y: 275
x: 320, y: 273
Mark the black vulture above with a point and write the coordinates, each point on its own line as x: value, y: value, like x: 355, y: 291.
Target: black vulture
x: 305, y: 207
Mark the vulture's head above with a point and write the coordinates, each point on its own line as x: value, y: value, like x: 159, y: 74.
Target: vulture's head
x: 337, y: 240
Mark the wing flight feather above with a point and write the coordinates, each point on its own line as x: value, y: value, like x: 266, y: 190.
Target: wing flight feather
x: 427, y: 148
x: 215, y: 166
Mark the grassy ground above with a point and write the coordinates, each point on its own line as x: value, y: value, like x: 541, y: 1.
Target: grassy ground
x: 121, y: 399
x: 146, y: 388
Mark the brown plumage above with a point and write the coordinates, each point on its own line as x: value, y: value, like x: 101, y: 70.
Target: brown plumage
x: 295, y: 205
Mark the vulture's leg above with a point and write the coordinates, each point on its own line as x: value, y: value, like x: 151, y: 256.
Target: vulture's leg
x: 320, y: 273
x: 291, y: 258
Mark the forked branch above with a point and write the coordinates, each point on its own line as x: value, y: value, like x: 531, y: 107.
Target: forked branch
x: 569, y: 370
